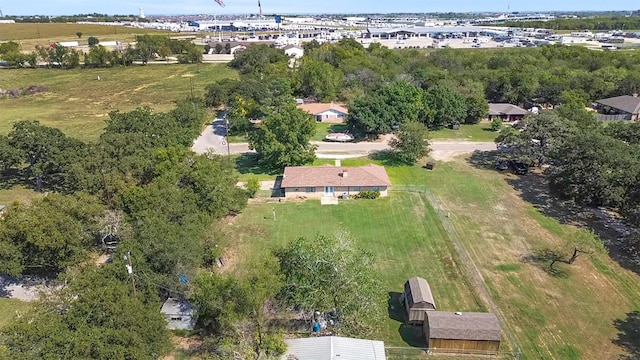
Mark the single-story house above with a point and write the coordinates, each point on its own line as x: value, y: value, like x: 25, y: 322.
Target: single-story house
x: 179, y: 314
x: 506, y: 112
x: 331, y: 181
x: 332, y: 348
x: 293, y: 51
x: 418, y: 299
x: 326, y: 112
x: 626, y: 107
x: 474, y: 333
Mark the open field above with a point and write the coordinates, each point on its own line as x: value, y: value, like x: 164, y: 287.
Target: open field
x: 78, y: 104
x: 578, y: 313
x: 30, y: 35
x: 8, y: 308
x: 402, y: 231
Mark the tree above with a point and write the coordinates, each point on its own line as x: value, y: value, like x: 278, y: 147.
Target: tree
x: 164, y: 51
x: 594, y: 169
x: 79, y: 34
x: 496, y: 124
x: 253, y: 186
x: 446, y: 106
x: 319, y: 79
x: 50, y: 234
x: 219, y: 48
x: 477, y: 109
x: 411, y: 142
x: 98, y: 56
x: 330, y: 272
x: 48, y: 153
x: 255, y: 59
x: 10, y: 156
x: 221, y: 301
x: 282, y: 139
x: 93, y: 41
x: 95, y: 316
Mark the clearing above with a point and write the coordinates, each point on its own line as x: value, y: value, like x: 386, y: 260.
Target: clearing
x: 475, y: 132
x: 8, y: 309
x: 78, y: 104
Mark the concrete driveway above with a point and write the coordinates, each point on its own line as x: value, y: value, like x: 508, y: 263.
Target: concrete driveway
x: 213, y: 138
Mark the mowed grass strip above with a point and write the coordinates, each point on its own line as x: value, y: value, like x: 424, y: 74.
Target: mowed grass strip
x: 78, y: 104
x: 475, y: 132
x: 402, y: 231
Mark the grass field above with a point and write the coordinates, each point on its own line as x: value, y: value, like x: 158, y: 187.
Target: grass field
x: 31, y: 35
x: 8, y: 308
x: 391, y: 228
x: 552, y: 317
x: 17, y: 193
x: 78, y: 104
x: 476, y: 132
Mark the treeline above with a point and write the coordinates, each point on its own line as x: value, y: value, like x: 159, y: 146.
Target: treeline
x: 594, y: 165
x: 604, y: 23
x: 147, y: 48
x: 95, y: 17
x: 138, y: 192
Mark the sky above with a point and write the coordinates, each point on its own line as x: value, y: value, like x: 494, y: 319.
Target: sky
x: 170, y: 7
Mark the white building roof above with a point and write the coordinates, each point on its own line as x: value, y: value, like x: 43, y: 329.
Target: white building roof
x: 334, y: 348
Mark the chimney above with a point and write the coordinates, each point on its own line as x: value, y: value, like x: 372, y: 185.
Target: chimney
x: 338, y: 164
x: 345, y: 173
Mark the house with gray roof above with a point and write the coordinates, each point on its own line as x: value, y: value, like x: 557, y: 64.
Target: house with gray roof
x: 418, y: 299
x: 624, y: 107
x: 506, y: 112
x: 332, y: 348
x: 458, y: 332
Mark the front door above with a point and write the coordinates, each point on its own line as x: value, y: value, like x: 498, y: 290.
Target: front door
x: 328, y: 191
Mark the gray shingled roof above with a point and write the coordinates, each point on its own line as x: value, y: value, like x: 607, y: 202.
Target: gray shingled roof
x: 467, y: 326
x: 176, y: 307
x: 312, y: 176
x: 334, y: 347
x: 506, y: 109
x: 420, y: 291
x: 626, y: 103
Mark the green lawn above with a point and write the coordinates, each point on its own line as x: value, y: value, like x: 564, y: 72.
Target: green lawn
x: 476, y: 132
x: 78, y: 104
x: 550, y: 317
x: 402, y: 231
x: 17, y: 193
x: 8, y: 309
x: 323, y: 129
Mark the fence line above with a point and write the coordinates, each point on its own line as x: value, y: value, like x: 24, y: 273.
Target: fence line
x: 464, y: 256
x: 396, y: 353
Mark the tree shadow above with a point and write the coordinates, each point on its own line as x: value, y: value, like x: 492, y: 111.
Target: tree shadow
x: 248, y: 164
x: 534, y: 189
x: 395, y: 307
x: 629, y: 335
x: 412, y: 335
x: 386, y: 157
x: 549, y: 261
x: 15, y: 177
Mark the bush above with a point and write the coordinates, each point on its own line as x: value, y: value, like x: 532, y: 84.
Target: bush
x: 496, y: 124
x: 273, y: 344
x: 253, y: 185
x: 367, y: 194
x: 93, y: 41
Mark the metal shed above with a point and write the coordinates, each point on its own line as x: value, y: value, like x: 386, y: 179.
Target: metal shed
x: 334, y: 347
x: 178, y: 313
x: 417, y: 299
x: 473, y: 333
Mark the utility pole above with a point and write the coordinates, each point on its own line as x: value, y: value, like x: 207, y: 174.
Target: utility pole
x: 130, y: 271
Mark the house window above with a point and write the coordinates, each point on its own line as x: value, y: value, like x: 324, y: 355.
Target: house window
x: 376, y: 188
x: 355, y: 188
x: 310, y: 189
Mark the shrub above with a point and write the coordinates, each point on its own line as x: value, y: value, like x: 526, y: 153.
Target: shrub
x: 93, y: 41
x: 367, y: 194
x: 253, y: 185
x: 496, y: 124
x: 273, y: 344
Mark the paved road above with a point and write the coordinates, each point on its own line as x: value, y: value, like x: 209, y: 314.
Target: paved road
x: 213, y: 138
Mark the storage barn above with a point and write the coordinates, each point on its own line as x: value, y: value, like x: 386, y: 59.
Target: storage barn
x: 417, y: 299
x: 473, y: 333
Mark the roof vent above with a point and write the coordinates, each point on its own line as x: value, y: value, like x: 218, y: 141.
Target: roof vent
x: 458, y: 313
